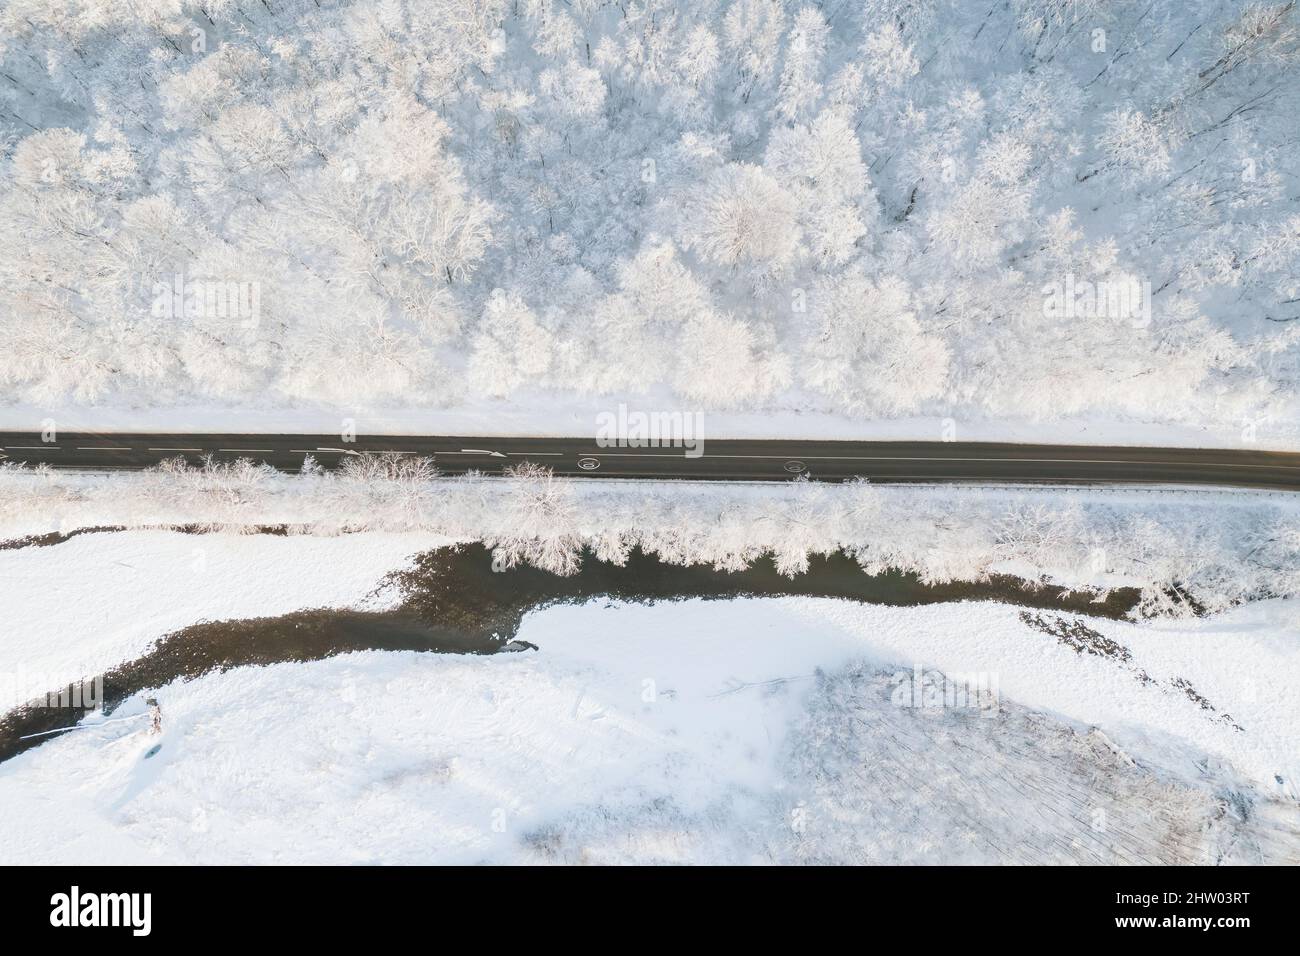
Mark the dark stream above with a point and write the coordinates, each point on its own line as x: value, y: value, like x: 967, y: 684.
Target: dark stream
x: 454, y: 603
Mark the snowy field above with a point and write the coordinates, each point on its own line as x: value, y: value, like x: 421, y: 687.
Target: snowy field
x: 97, y: 600
x: 1066, y: 221
x: 753, y: 730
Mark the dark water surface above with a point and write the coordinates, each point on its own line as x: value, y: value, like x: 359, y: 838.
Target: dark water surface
x: 453, y: 602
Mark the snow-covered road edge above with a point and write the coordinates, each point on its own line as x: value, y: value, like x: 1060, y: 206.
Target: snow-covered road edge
x: 1214, y: 548
x: 538, y: 413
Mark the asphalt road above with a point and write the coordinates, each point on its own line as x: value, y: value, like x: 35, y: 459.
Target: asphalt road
x: 767, y: 460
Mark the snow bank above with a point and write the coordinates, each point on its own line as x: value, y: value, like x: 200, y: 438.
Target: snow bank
x: 1181, y: 548
x: 97, y: 600
x: 691, y: 732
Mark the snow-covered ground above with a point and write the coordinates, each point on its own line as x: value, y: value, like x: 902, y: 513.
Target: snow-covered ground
x: 750, y: 730
x: 1177, y: 546
x: 97, y: 600
x: 1033, y: 222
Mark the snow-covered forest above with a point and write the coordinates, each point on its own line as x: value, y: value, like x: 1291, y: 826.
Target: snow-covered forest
x: 859, y: 206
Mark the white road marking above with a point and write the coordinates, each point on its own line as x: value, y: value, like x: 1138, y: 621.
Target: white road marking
x: 176, y: 449
x: 269, y: 451
x: 1055, y: 461
x: 33, y: 447
x: 102, y: 448
x: 348, y: 451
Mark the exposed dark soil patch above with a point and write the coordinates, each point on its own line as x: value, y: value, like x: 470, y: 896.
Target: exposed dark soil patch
x: 454, y: 602
x: 1082, y: 639
x: 458, y: 588
x: 219, y: 646
x: 1077, y: 636
x: 53, y: 538
x: 59, y: 537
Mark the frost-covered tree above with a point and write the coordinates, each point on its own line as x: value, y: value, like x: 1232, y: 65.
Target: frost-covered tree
x: 741, y: 218
x: 643, y: 175
x: 868, y: 352
x: 720, y: 364
x: 510, y: 349
x: 800, y: 75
